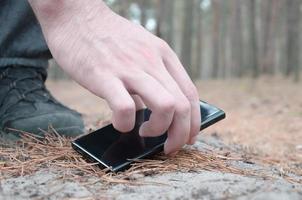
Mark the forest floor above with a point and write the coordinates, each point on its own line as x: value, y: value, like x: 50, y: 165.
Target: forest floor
x: 263, y: 129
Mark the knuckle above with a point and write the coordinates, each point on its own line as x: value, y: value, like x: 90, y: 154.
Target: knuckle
x: 125, y: 109
x: 184, y: 108
x: 124, y: 127
x: 168, y: 106
x: 155, y: 129
x: 192, y: 93
x: 163, y: 44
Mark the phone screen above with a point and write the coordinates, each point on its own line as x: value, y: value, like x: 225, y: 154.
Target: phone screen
x: 116, y: 150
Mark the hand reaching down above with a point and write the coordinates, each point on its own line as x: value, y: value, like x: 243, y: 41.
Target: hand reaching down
x: 124, y: 64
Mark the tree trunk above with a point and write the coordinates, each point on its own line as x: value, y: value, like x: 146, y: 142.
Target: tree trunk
x: 186, y: 51
x: 169, y: 22
x: 267, y: 64
x: 293, y: 24
x: 123, y: 8
x: 198, y: 38
x: 161, y: 9
x: 253, y: 58
x: 143, y: 8
x: 223, y: 38
x: 237, y: 56
x: 215, y: 38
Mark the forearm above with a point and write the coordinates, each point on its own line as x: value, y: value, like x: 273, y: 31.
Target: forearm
x: 53, y: 12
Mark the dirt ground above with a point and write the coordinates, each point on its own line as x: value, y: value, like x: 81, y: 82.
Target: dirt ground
x: 264, y: 118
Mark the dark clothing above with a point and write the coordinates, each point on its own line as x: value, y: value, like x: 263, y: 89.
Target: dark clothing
x: 25, y: 103
x: 21, y: 38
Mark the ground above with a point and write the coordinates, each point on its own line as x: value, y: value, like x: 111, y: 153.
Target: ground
x: 264, y: 123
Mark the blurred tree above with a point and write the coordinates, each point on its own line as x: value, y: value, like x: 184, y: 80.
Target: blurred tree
x: 267, y: 63
x: 143, y: 4
x: 170, y: 22
x: 293, y: 29
x: 215, y: 37
x: 199, y: 38
x: 224, y: 38
x: 253, y: 57
x: 161, y: 8
x: 123, y: 8
x: 237, y: 56
x: 165, y: 20
x: 186, y: 50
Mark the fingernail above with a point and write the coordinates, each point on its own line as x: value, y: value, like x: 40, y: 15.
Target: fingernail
x: 170, y: 150
x: 167, y: 148
x: 170, y: 153
x: 141, y: 132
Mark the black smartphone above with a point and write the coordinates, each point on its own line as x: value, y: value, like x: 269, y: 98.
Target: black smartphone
x: 116, y: 151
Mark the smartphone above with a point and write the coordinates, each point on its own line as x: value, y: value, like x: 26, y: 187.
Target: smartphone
x: 116, y: 151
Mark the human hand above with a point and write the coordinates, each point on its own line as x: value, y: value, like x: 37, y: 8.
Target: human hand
x: 124, y: 64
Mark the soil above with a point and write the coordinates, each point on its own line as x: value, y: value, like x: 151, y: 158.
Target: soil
x: 264, y: 121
